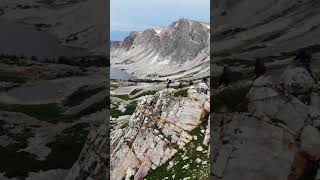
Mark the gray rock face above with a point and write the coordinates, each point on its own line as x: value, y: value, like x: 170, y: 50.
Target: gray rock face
x: 315, y: 96
x: 93, y: 161
x: 279, y: 129
x: 184, y: 40
x: 250, y: 148
x: 272, y: 30
x: 268, y: 101
x: 310, y: 141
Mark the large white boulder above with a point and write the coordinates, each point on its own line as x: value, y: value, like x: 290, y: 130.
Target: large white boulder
x: 297, y: 80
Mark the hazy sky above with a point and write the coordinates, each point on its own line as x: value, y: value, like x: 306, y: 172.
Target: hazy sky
x: 135, y: 15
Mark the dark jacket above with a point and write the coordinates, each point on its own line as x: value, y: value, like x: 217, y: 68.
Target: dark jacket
x: 259, y: 69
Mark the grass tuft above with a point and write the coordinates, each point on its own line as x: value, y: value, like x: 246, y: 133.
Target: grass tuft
x: 181, y: 93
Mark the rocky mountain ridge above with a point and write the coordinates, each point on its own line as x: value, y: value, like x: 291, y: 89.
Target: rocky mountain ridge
x: 182, y: 46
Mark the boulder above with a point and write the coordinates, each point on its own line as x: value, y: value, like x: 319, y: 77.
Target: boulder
x: 250, y: 148
x: 315, y: 100
x: 203, y: 87
x: 206, y: 138
x: 265, y: 100
x: 310, y: 142
x: 297, y: 80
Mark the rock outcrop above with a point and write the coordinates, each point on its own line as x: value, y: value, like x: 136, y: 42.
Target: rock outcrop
x: 93, y: 161
x: 278, y: 138
x: 158, y: 128
x: 297, y: 80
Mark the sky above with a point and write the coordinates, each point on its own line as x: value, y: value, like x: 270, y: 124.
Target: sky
x: 137, y: 15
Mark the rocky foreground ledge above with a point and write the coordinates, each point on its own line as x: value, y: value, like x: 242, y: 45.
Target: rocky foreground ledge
x: 160, y: 126
x: 278, y: 138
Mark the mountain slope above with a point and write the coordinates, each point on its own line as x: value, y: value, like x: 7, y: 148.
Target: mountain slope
x: 67, y: 20
x: 181, y: 47
x: 272, y: 30
x: 274, y: 119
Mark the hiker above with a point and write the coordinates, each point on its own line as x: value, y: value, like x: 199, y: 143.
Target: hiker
x: 204, y: 80
x: 259, y: 68
x: 168, y: 83
x: 190, y: 83
x: 225, y: 76
x: 304, y: 56
x: 180, y: 85
x: 203, y: 86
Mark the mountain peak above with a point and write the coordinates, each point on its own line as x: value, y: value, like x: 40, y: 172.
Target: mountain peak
x: 183, y: 41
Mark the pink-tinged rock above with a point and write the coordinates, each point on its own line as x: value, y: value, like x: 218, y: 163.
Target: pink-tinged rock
x: 143, y: 170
